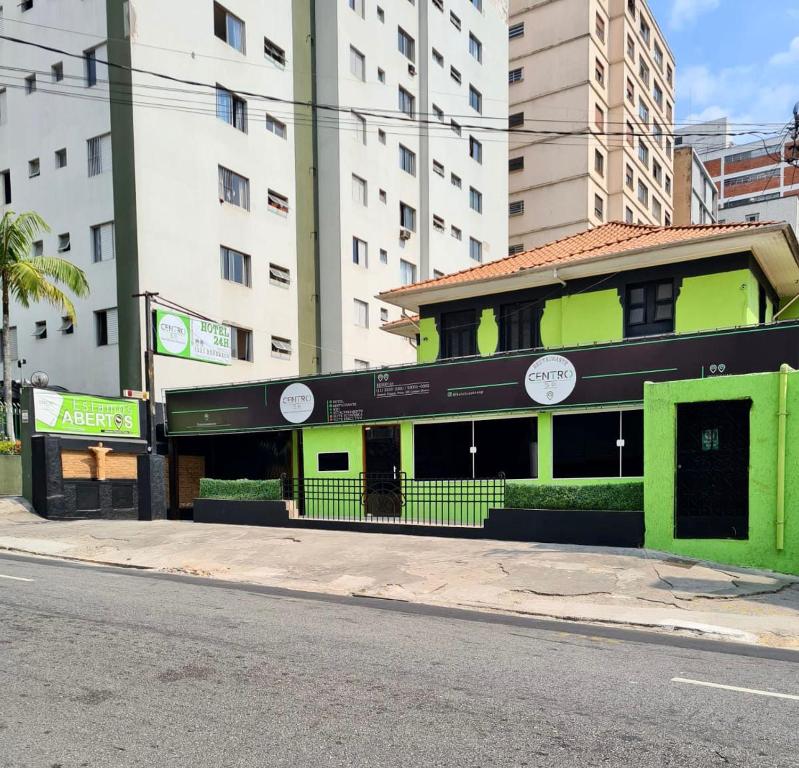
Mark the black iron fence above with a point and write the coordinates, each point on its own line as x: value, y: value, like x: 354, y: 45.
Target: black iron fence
x: 395, y: 499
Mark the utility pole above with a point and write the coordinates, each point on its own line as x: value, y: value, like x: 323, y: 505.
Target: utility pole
x: 149, y: 366
x: 792, y: 146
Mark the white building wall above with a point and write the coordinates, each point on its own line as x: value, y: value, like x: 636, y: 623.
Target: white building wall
x: 59, y: 115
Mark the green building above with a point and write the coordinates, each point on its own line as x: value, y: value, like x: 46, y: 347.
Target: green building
x: 656, y: 361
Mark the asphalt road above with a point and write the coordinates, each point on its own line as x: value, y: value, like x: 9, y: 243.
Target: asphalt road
x: 108, y: 667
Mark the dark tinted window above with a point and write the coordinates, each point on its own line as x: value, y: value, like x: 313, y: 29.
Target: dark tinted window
x: 519, y: 326
x: 459, y: 333
x: 333, y: 462
x: 649, y: 308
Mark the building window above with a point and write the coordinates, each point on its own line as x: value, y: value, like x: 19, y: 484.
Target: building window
x: 599, y: 72
x: 475, y: 149
x: 381, y: 15
x: 630, y: 134
x: 456, y: 232
x: 628, y: 215
x: 516, y: 208
x: 3, y: 107
x: 643, y: 111
x: 649, y: 308
x: 643, y: 152
x: 337, y: 461
x: 657, y: 209
x: 359, y: 190
x: 34, y: 168
x: 455, y: 180
x: 516, y: 119
x: 458, y: 333
x: 361, y: 316
x: 657, y: 95
x: 357, y: 6
x: 475, y: 99
x: 454, y: 20
x: 40, y: 329
x: 383, y: 315
x: 57, y: 72
x: 455, y: 127
x: 669, y: 74
x: 235, y: 266
x: 67, y: 325
x: 667, y: 219
x: 657, y: 133
x: 455, y: 75
x: 599, y: 207
x: 64, y: 243
x: 234, y: 189
x: 600, y: 444
x: 407, y: 272
x: 438, y: 168
x: 274, y: 52
x: 231, y: 108
x: 751, y: 218
x: 475, y: 250
x: 475, y: 200
x: 281, y: 348
x: 407, y: 102
x: 515, y: 75
x: 657, y: 171
x: 381, y: 136
x: 99, y: 154
x: 475, y: 48
x: 103, y: 242
x: 668, y: 184
x: 645, y: 30
x: 406, y: 44
x: 277, y: 202
x: 657, y: 55
x: 515, y: 248
x: 519, y: 325
x: 382, y: 196
x: 439, y: 4
x: 38, y: 248
x: 478, y: 4
x: 643, y: 193
x: 438, y: 58
x: 600, y: 26
x: 407, y: 217
x: 407, y: 160
x: 516, y: 163
x: 668, y: 148
x: 61, y: 158
x: 438, y: 223
x: 30, y: 84
x: 357, y: 64
x: 631, y: 47
x: 229, y: 28
x: 599, y: 118
x: 240, y: 344
x: 273, y: 125
x: 360, y: 252
x: 5, y: 186
x: 516, y: 30
x: 383, y: 256
x: 599, y: 162
x: 381, y: 75
x: 26, y: 5
x: 629, y: 177
x: 643, y: 71
x: 90, y: 63
x: 630, y: 91
x: 106, y: 327
x: 279, y: 276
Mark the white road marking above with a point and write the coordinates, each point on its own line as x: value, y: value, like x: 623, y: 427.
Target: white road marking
x: 735, y: 688
x: 14, y: 578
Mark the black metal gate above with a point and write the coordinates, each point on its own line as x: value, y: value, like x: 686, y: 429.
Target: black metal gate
x: 394, y: 498
x: 712, y: 479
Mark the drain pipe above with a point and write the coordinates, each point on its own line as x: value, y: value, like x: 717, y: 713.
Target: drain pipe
x: 782, y: 423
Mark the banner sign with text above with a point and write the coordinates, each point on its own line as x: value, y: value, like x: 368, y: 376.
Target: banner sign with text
x: 180, y: 335
x: 579, y: 376
x: 66, y: 413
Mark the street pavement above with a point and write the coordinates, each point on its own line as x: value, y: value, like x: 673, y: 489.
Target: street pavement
x: 611, y: 586
x: 109, y: 667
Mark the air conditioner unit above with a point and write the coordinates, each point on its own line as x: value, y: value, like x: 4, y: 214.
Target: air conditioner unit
x: 405, y: 234
x: 411, y: 69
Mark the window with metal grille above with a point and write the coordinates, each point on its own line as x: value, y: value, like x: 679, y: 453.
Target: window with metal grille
x: 235, y: 266
x: 229, y: 28
x: 438, y: 58
x: 279, y: 276
x: 234, y: 189
x: 515, y: 75
x: 274, y: 52
x: 34, y: 168
x: 649, y: 308
x: 515, y: 248
x: 231, y: 109
x: 455, y: 75
x: 516, y: 207
x: 516, y: 30
x: 99, y: 154
x: 103, y: 242
x: 454, y: 20
x: 438, y: 223
x: 455, y: 127
x: 519, y: 325
x: 277, y: 202
x: 516, y: 120
x: 438, y: 168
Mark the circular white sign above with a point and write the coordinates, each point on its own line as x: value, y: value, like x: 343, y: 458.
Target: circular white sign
x: 173, y: 334
x: 296, y: 403
x: 550, y: 379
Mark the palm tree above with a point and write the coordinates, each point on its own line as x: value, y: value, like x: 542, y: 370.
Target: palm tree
x: 29, y: 279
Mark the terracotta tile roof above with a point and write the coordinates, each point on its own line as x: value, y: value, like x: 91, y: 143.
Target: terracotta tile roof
x: 607, y: 240
x: 401, y: 322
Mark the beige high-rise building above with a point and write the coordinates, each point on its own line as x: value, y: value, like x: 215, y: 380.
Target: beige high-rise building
x: 587, y: 65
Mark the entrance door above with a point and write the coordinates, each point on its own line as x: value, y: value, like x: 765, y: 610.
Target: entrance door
x: 382, y: 480
x: 712, y: 493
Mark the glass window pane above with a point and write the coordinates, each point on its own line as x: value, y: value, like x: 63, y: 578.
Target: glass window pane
x: 664, y: 291
x: 632, y: 453
x: 636, y: 316
x: 637, y: 295
x: 441, y: 451
x: 664, y: 311
x: 585, y: 445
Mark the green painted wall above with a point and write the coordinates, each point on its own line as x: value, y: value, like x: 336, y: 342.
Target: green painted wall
x: 334, y: 439
x: 11, y: 475
x: 792, y: 313
x: 583, y: 318
x: 428, y: 340
x: 722, y: 300
x: 660, y: 459
x: 406, y: 448
x: 487, y: 333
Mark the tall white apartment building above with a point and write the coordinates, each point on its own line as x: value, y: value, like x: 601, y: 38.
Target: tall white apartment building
x: 217, y: 189
x: 418, y: 195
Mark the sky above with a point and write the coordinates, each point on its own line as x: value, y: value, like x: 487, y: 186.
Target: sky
x: 735, y: 58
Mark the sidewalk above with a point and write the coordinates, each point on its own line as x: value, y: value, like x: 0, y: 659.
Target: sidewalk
x: 618, y: 586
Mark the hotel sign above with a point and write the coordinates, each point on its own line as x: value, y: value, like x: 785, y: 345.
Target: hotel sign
x: 180, y: 335
x: 580, y: 376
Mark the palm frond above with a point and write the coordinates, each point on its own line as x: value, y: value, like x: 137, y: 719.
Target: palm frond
x: 28, y: 285
x: 63, y: 272
x: 17, y: 234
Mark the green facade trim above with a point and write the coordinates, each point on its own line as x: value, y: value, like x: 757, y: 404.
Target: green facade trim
x: 721, y: 300
x: 429, y: 341
x: 487, y: 333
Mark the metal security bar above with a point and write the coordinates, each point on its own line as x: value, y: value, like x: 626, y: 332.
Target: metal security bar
x: 394, y: 499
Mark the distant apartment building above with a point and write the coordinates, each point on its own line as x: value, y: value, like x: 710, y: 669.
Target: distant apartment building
x: 236, y: 199
x: 777, y: 209
x: 596, y: 66
x: 695, y: 194
x: 704, y: 137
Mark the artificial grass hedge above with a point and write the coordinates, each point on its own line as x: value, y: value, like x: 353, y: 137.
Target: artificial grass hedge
x: 617, y: 497
x: 240, y: 490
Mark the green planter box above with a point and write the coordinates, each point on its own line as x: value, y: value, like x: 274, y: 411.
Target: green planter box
x: 11, y: 475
